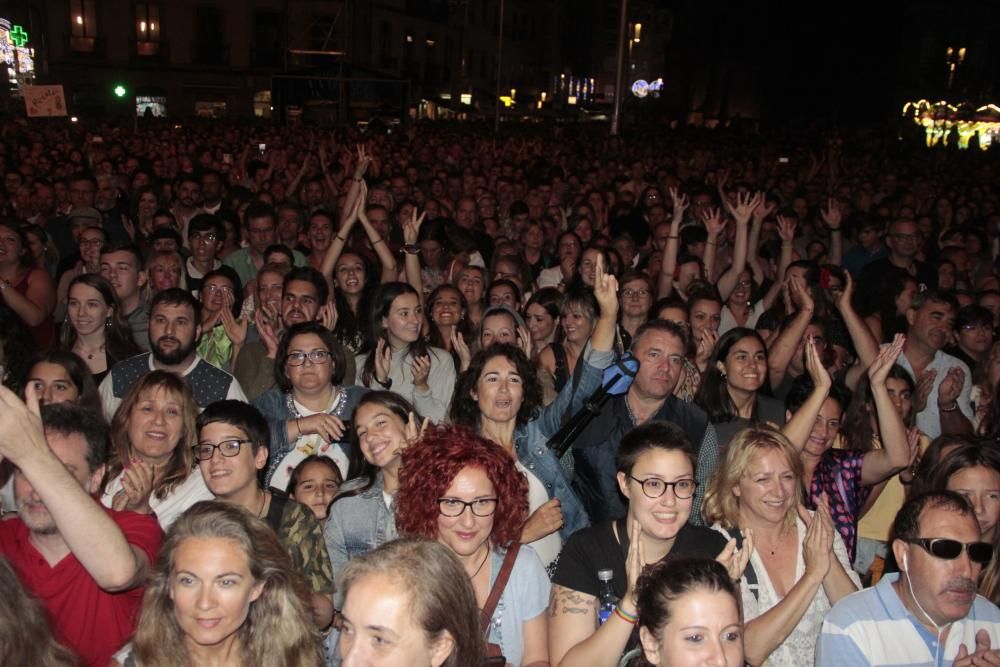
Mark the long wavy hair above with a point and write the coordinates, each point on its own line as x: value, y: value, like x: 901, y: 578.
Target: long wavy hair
x: 721, y: 504
x: 118, y: 341
x: 441, y: 596
x: 25, y: 635
x: 351, y: 328
x: 713, y: 395
x: 856, y: 427
x: 78, y: 374
x: 279, y: 630
x: 432, y: 463
x: 664, y: 583
x: 379, y: 310
x: 465, y: 409
x: 182, y: 459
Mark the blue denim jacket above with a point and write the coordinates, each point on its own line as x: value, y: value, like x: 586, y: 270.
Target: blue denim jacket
x: 356, y: 525
x: 531, y: 438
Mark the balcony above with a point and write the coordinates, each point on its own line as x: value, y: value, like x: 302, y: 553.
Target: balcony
x: 149, y: 51
x: 212, y: 54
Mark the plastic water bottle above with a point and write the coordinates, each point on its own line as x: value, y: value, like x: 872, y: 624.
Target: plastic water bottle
x: 607, y: 598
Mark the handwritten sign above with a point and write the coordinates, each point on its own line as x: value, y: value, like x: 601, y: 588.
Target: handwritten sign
x: 41, y: 101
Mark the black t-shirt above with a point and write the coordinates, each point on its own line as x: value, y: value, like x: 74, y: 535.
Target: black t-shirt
x: 596, y: 548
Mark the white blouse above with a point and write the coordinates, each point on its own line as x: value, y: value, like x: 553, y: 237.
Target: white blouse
x: 799, y: 647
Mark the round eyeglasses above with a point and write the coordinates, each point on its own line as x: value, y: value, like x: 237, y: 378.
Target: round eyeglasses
x: 204, y: 451
x: 299, y: 358
x: 454, y: 507
x: 654, y: 487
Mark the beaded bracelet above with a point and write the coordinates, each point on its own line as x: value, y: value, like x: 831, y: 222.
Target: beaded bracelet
x: 631, y: 619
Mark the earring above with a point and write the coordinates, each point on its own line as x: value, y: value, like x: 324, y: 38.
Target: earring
x: 107, y: 323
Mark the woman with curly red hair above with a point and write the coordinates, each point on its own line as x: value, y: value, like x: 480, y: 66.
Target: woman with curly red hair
x: 466, y: 492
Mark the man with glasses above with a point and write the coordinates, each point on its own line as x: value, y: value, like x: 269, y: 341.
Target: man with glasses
x: 205, y: 235
x: 929, y: 613
x: 660, y: 348
x: 174, y: 331
x: 232, y: 448
x: 904, y: 242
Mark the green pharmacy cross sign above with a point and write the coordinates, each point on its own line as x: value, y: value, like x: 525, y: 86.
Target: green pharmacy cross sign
x: 18, y: 36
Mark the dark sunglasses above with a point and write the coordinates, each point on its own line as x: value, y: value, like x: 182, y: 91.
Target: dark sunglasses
x: 940, y: 547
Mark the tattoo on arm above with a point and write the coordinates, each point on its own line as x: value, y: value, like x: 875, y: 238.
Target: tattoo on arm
x: 567, y: 601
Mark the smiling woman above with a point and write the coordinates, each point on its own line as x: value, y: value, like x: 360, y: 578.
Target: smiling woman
x: 223, y: 592
x: 151, y: 468
x: 95, y: 328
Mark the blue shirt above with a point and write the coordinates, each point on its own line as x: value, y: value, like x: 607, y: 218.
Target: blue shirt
x: 872, y: 627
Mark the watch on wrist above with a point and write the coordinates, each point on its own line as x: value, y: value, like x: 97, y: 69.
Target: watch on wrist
x: 411, y: 249
x: 385, y: 385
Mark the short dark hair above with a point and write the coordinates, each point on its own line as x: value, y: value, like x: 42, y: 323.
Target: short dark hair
x: 973, y: 315
x: 665, y: 326
x: 907, y: 523
x: 70, y: 419
x: 803, y: 386
x: 234, y: 279
x: 310, y: 275
x: 653, y: 434
x: 257, y: 210
x: 175, y: 296
x: 243, y: 416
x: 129, y: 247
x: 337, y: 355
x: 206, y: 222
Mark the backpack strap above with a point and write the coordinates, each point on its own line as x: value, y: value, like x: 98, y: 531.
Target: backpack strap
x: 486, y: 615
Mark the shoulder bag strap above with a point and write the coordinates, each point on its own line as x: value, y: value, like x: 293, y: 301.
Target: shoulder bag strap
x: 486, y: 616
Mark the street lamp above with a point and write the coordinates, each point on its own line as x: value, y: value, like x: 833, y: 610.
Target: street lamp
x: 954, y: 57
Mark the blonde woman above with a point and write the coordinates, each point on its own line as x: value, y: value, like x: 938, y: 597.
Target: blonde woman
x: 220, y: 562
x: 799, y: 567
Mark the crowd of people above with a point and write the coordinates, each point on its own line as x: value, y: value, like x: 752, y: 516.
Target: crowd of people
x: 294, y: 397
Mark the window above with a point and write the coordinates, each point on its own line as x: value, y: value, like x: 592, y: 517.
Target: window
x: 267, y: 39
x: 83, y: 25
x: 209, y: 48
x: 147, y: 22
x: 83, y: 18
x: 262, y: 104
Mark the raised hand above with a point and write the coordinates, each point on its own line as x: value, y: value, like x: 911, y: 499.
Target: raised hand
x: 705, y: 348
x: 680, y: 203
x: 327, y: 314
x: 800, y: 294
x: 411, y: 227
x: 764, y: 209
x: 236, y: 329
x: 817, y: 549
x: 814, y: 366
x: 421, y: 368
x: 461, y: 348
x: 925, y: 383
x: 843, y: 302
x: 714, y: 223
x: 413, y: 432
x: 879, y: 370
x: 605, y: 290
x: 832, y: 215
x: 736, y: 559
x: 746, y: 204
x: 786, y: 228
x: 363, y: 162
x: 951, y: 387
x: 524, y: 341
x: 383, y: 361
x: 635, y: 561
x: 265, y: 329
x: 137, y: 486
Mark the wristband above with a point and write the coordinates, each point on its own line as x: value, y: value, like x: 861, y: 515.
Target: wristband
x: 625, y: 616
x: 377, y: 242
x: 298, y: 426
x: 411, y: 249
x: 954, y: 406
x: 342, y: 239
x: 387, y: 385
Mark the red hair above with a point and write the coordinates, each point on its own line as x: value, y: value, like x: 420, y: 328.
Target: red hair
x: 430, y: 465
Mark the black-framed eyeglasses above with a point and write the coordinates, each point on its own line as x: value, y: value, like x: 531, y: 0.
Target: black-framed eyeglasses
x: 204, y: 451
x: 629, y: 293
x: 454, y: 507
x: 299, y: 358
x: 654, y: 487
x: 946, y: 549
